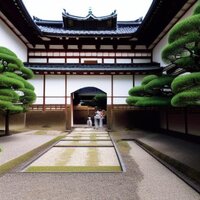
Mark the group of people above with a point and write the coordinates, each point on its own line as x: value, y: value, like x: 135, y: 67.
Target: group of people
x: 98, y: 119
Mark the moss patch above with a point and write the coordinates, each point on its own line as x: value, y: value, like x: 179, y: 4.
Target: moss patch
x: 65, y: 157
x: 74, y: 169
x: 40, y: 132
x: 92, y: 157
x: 123, y: 146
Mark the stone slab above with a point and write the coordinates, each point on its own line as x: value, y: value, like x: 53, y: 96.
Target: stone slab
x: 84, y: 143
x: 86, y: 138
x: 77, y: 159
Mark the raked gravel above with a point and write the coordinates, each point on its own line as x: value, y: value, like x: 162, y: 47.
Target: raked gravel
x: 144, y: 179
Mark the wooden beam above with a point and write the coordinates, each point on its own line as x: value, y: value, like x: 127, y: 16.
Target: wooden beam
x: 44, y: 92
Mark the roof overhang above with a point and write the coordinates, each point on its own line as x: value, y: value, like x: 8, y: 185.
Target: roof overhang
x: 95, y: 69
x: 161, y: 17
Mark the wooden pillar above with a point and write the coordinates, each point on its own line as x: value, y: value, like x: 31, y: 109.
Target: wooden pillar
x: 109, y: 110
x: 67, y: 107
x: 133, y: 78
x: 44, y: 93
x: 65, y: 91
x: 68, y: 117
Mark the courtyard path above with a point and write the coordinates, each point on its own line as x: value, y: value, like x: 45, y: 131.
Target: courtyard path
x: 83, y: 150
x: 144, y: 178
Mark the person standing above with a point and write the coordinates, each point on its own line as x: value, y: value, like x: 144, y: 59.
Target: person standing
x: 97, y: 119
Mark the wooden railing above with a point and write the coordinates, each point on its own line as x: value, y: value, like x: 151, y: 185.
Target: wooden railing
x: 51, y: 107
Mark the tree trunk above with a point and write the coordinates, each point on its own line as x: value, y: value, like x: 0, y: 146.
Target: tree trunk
x: 7, y: 123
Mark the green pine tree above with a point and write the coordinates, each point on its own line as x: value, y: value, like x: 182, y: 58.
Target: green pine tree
x: 154, y: 91
x: 16, y: 93
x: 183, y: 50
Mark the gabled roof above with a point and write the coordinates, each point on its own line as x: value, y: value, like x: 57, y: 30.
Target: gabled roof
x: 162, y: 14
x: 122, y: 29
x: 90, y: 22
x: 88, y: 26
x: 90, y: 16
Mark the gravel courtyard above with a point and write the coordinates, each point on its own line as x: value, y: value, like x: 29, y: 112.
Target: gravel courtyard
x: 144, y: 179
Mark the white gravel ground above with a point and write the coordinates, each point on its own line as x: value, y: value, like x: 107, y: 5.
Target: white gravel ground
x: 144, y: 179
x: 16, y: 145
x: 158, y: 182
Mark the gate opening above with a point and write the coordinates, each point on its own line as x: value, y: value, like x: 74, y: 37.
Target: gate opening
x: 85, y: 102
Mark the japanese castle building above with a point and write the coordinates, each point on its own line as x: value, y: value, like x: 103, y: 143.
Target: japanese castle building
x: 87, y: 55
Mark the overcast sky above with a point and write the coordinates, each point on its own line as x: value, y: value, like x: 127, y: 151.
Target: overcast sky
x: 52, y: 9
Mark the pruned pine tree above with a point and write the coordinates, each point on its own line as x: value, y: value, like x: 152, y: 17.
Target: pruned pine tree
x: 183, y: 50
x: 154, y: 91
x: 16, y: 93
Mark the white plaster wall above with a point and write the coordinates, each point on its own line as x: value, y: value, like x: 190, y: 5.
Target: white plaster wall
x: 140, y: 60
x: 72, y: 46
x: 77, y: 82
x: 55, y: 89
x: 55, y: 85
x: 56, y: 47
x: 138, y: 79
x: 50, y: 100
x: 109, y: 60
x: 37, y: 60
x: 125, y: 60
x: 121, y: 100
x: 38, y: 46
x: 106, y: 47
x: 122, y: 84
x: 37, y: 82
x: 9, y: 40
x: 72, y: 60
x: 88, y: 47
x: 56, y: 60
x: 158, y: 48
x: 125, y: 47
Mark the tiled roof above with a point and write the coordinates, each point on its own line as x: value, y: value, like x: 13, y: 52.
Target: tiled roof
x: 121, y: 30
x: 94, y: 67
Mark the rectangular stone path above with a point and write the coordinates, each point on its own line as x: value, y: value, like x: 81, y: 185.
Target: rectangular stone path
x: 83, y: 150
